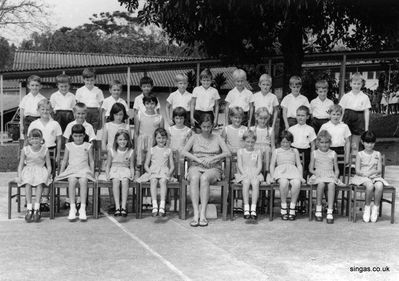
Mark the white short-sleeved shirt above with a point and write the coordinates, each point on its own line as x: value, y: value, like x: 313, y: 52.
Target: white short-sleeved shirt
x: 139, y: 105
x: 109, y: 102
x: 50, y: 131
x: 177, y: 99
x: 356, y: 102
x: 320, y: 108
x: 29, y: 104
x: 241, y: 99
x: 303, y: 135
x: 62, y: 102
x: 205, y: 98
x: 269, y: 101
x: 88, y: 127
x: 91, y: 98
x: 292, y: 103
x: 338, y: 132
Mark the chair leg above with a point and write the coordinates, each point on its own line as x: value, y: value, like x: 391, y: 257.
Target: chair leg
x: 393, y: 207
x: 52, y: 201
x: 354, y: 204
x: 9, y: 199
x: 139, y: 201
x: 183, y: 201
x: 19, y: 199
x: 271, y: 202
x: 224, y: 207
x: 342, y: 201
x: 310, y: 203
x: 231, y: 205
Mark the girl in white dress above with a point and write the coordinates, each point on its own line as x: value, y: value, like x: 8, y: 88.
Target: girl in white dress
x: 368, y: 173
x: 159, y: 167
x: 249, y: 166
x: 324, y: 167
x: 232, y: 134
x: 34, y: 169
x: 120, y: 168
x: 117, y: 117
x: 77, y: 166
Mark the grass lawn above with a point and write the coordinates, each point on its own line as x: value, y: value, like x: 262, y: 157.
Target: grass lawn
x: 384, y: 126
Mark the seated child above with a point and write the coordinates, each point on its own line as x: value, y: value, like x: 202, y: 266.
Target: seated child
x: 117, y: 119
x: 232, y: 134
x: 179, y: 133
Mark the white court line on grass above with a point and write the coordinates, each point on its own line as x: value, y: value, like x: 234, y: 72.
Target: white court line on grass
x: 148, y: 248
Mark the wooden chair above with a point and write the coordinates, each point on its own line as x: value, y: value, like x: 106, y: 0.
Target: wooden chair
x: 13, y: 185
x: 234, y: 187
x: 223, y: 184
x: 175, y: 186
x: 362, y: 189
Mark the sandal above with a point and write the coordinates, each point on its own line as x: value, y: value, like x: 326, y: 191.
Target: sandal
x: 203, y: 223
x: 254, y: 216
x: 117, y: 213
x: 154, y: 212
x: 318, y: 216
x: 330, y: 218
x: 123, y: 212
x: 194, y: 223
x: 162, y: 212
x: 246, y: 214
x: 284, y: 214
x: 291, y: 216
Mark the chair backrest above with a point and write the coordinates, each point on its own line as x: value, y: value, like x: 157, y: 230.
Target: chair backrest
x: 382, y: 165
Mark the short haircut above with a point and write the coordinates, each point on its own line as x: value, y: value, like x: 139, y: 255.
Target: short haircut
x: 34, y: 78
x: 206, y: 73
x: 239, y: 73
x: 63, y: 78
x: 295, y: 80
x: 115, y: 83
x: 127, y: 137
x: 261, y: 110
x: 324, y: 134
x: 369, y: 137
x: 249, y: 134
x: 35, y: 133
x: 179, y: 111
x: 265, y: 78
x: 89, y: 73
x: 160, y: 131
x: 80, y: 105
x: 116, y: 108
x: 44, y: 102
x: 335, y: 108
x: 181, y: 77
x: 145, y: 80
x: 287, y: 135
x: 205, y: 117
x: 236, y: 111
x: 323, y: 84
x: 79, y: 129
x: 357, y: 77
x: 150, y: 98
x: 304, y: 108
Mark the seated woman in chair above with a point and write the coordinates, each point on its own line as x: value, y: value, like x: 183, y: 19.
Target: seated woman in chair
x: 206, y: 150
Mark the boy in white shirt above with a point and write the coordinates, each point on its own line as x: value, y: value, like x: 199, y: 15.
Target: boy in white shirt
x: 146, y: 85
x: 320, y: 106
x: 92, y: 97
x: 63, y: 101
x: 356, y: 106
x: 179, y: 98
x: 28, y: 105
x: 239, y: 96
x: 265, y: 98
x: 80, y: 113
x: 293, y: 101
x: 205, y: 100
x: 115, y: 89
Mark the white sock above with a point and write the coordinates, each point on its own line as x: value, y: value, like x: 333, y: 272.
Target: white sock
x: 162, y: 204
x: 154, y: 204
x: 83, y: 206
x: 329, y: 211
x: 72, y: 206
x: 283, y: 205
x: 253, y: 207
x: 292, y: 206
x: 318, y: 208
x: 37, y: 206
x: 246, y: 207
x: 29, y: 206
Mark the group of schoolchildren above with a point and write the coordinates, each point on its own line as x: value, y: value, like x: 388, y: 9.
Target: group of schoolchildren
x: 76, y: 118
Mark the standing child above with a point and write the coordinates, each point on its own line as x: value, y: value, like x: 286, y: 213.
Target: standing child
x: 77, y: 166
x: 159, y: 167
x: 144, y: 127
x: 264, y: 133
x: 117, y: 119
x: 232, y: 134
x: 92, y: 97
x: 286, y: 169
x: 146, y: 85
x: 356, y: 106
x: 239, y: 96
x: 179, y: 133
x: 115, y: 89
x: 265, y: 98
x: 32, y: 172
x: 249, y: 166
x: 120, y: 168
x: 320, y: 106
x: 368, y: 173
x: 80, y: 113
x: 324, y: 167
x: 205, y: 100
x: 292, y: 101
x: 179, y: 98
x: 28, y: 105
x: 63, y: 101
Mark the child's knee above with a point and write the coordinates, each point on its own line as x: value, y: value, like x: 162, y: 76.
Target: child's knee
x: 378, y: 186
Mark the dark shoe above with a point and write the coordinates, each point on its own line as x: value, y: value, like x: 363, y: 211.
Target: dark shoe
x: 162, y: 212
x: 292, y: 216
x: 330, y: 218
x: 194, y: 223
x: 36, y: 216
x: 29, y: 216
x: 284, y: 214
x: 246, y: 215
x: 254, y: 216
x: 318, y: 216
x: 117, y: 213
x: 203, y: 223
x: 44, y: 207
x: 123, y: 213
x: 154, y: 212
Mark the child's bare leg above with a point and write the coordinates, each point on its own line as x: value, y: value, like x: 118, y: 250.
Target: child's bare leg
x: 378, y: 193
x: 331, y: 195
x: 319, y: 193
x: 245, y: 192
x: 125, y: 190
x: 71, y: 188
x: 268, y: 152
x: 163, y: 187
x: 369, y: 192
x: 39, y: 190
x: 283, y: 190
x: 194, y: 194
x: 153, y: 190
x: 83, y: 191
x: 255, y: 196
x: 28, y: 191
x: 115, y: 191
x: 204, y: 194
x: 295, y: 188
